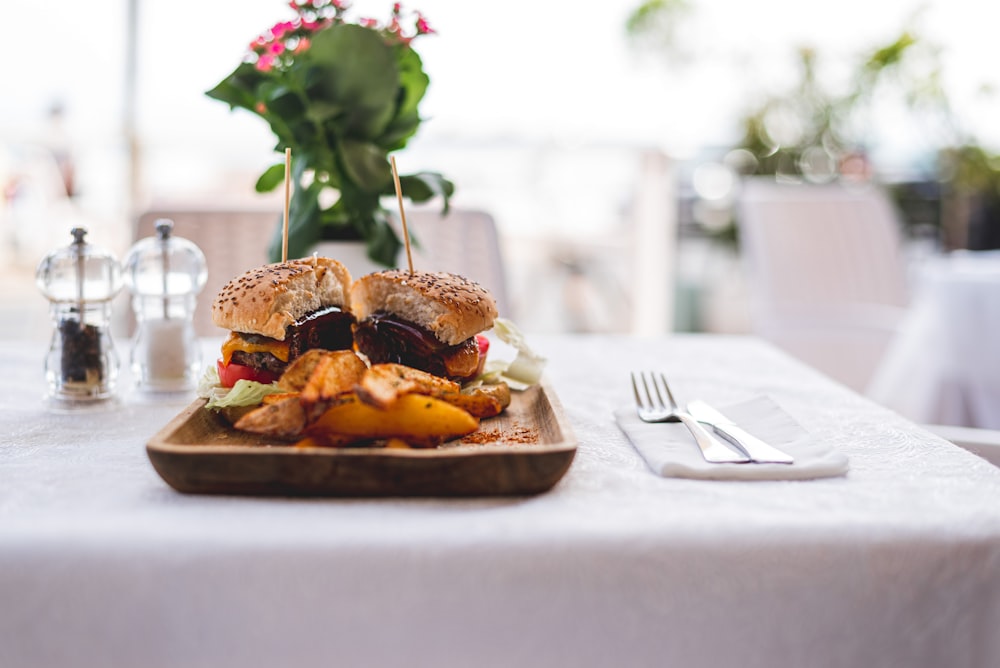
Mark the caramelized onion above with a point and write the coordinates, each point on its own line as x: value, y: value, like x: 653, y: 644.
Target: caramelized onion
x: 387, y: 338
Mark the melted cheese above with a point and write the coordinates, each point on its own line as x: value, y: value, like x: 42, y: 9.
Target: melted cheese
x: 236, y: 342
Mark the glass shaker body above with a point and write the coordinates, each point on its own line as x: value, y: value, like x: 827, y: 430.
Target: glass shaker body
x: 81, y: 367
x: 165, y: 355
x: 165, y: 274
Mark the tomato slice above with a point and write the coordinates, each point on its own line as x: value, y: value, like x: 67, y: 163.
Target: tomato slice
x: 232, y: 372
x: 484, y: 347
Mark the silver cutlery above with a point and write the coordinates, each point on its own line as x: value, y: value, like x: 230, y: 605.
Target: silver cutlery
x: 758, y: 450
x: 651, y: 408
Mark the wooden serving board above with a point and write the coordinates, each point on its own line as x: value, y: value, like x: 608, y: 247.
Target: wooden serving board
x: 525, y: 450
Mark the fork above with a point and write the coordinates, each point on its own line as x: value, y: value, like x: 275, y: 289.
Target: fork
x: 651, y: 408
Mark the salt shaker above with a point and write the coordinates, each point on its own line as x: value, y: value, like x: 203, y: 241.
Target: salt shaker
x: 80, y: 280
x: 165, y: 273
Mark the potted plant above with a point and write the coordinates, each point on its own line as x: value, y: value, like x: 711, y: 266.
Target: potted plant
x: 342, y: 95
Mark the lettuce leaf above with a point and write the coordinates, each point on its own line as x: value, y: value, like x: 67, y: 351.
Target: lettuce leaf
x: 524, y: 370
x: 243, y: 393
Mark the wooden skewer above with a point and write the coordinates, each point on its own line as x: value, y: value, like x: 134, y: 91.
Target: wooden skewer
x: 288, y: 196
x: 402, y: 213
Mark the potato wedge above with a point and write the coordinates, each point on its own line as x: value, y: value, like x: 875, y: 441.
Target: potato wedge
x: 484, y: 401
x: 417, y: 419
x: 396, y: 443
x: 325, y: 440
x: 297, y: 373
x: 285, y: 419
x: 383, y: 384
x: 275, y: 398
x: 335, y: 373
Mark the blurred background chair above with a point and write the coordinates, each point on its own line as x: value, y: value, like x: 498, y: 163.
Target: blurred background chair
x: 233, y: 241
x: 826, y: 273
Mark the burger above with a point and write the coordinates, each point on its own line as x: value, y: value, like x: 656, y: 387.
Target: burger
x: 279, y: 311
x: 425, y: 320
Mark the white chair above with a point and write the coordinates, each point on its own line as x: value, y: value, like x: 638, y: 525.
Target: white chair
x: 827, y: 277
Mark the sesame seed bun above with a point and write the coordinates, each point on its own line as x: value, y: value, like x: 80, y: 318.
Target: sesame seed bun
x: 449, y: 306
x: 268, y: 299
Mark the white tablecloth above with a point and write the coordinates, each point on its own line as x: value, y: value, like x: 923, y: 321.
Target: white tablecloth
x: 896, y: 564
x: 943, y: 367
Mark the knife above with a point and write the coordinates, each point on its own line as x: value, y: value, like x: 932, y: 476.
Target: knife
x: 756, y: 449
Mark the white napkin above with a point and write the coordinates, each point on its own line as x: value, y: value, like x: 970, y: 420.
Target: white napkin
x: 670, y: 450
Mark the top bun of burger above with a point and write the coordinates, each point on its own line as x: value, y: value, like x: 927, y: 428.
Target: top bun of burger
x: 450, y: 307
x: 424, y: 320
x: 268, y: 299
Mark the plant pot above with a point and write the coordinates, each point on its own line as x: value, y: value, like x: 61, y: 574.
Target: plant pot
x: 352, y: 254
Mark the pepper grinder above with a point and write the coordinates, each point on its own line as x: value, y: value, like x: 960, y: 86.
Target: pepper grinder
x: 80, y: 281
x: 165, y: 273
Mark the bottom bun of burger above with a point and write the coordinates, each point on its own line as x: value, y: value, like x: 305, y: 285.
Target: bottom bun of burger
x: 424, y: 320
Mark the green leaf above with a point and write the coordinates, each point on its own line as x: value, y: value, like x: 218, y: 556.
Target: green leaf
x: 413, y: 84
x: 239, y: 88
x: 271, y: 178
x: 354, y: 68
x: 412, y: 78
x: 422, y: 186
x: 320, y: 112
x: 366, y: 165
x: 287, y: 106
x: 383, y: 244
x: 399, y: 132
x: 268, y: 91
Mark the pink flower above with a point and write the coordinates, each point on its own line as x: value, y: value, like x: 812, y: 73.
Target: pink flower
x: 423, y: 27
x: 280, y: 29
x: 276, y: 48
x: 265, y: 63
x: 302, y: 45
x: 260, y: 108
x: 368, y: 23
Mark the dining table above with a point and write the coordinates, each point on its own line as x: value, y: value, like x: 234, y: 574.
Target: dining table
x: 890, y: 559
x: 942, y: 366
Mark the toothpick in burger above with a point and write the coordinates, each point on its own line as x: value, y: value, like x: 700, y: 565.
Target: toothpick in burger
x: 279, y: 311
